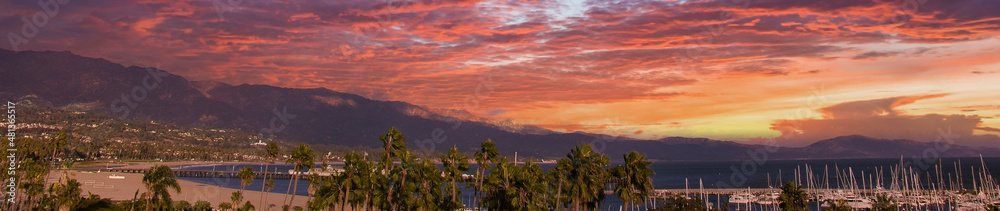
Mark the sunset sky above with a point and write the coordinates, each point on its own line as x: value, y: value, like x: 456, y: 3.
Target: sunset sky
x: 738, y: 70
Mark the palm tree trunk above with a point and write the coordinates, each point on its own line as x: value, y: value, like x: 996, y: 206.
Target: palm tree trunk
x: 388, y: 193
x: 262, y: 184
x: 347, y: 188
x: 149, y: 202
x: 475, y: 197
x: 347, y: 193
x: 559, y: 193
x: 289, y: 190
x: 421, y: 190
x: 454, y: 191
x: 311, y: 190
x: 387, y: 172
x: 632, y: 188
x: 402, y: 183
x: 295, y: 189
x: 242, y: 187
x: 479, y: 187
x: 368, y: 197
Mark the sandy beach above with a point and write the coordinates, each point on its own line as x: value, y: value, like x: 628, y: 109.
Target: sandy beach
x: 124, y: 189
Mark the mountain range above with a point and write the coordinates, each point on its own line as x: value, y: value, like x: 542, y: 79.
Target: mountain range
x: 72, y: 82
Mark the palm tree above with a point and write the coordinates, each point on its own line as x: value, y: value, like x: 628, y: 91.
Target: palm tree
x: 315, y: 181
x: 246, y: 176
x: 401, y: 173
x: 302, y: 158
x: 838, y: 205
x: 58, y: 143
x: 454, y: 164
x: 793, y: 198
x: 269, y: 184
x: 33, y: 179
x: 183, y: 205
x: 497, y: 187
x: 365, y: 180
x: 67, y: 165
x: 486, y: 155
x: 632, y: 180
x: 352, y: 162
x: 66, y: 194
x: 682, y: 202
x: 202, y: 206
x: 271, y: 151
x: 328, y: 192
x: 157, y: 180
x: 429, y: 190
x: 510, y: 187
x: 586, y: 176
x: 532, y: 186
x: 622, y: 188
x: 558, y: 176
x: 883, y: 202
x: 395, y: 144
x: 236, y: 198
x: 248, y: 206
x: 393, y: 140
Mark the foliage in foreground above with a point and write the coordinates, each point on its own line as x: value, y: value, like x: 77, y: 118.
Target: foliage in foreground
x: 793, y: 198
x: 396, y: 180
x: 681, y: 203
x: 838, y: 205
x: 883, y: 202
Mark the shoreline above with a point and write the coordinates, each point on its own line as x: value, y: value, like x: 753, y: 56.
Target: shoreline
x: 172, y: 164
x: 125, y: 189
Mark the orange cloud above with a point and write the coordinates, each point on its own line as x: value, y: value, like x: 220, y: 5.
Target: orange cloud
x: 872, y: 108
x: 705, y: 62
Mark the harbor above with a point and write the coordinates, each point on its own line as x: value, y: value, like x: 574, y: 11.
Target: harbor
x: 932, y: 188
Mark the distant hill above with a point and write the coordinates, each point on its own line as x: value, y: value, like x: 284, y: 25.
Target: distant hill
x: 71, y: 82
x: 857, y: 146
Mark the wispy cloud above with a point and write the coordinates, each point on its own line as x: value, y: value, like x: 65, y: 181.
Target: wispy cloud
x: 571, y: 54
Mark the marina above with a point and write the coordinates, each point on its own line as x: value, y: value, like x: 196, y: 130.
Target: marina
x: 934, y: 188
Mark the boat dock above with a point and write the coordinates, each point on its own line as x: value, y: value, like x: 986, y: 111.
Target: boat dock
x: 755, y: 191
x: 667, y: 192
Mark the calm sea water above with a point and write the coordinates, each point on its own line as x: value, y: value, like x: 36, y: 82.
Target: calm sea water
x: 724, y: 174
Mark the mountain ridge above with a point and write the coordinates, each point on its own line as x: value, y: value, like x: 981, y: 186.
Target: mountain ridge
x: 320, y: 115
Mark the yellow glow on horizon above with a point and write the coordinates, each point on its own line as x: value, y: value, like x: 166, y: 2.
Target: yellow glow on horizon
x: 743, y: 107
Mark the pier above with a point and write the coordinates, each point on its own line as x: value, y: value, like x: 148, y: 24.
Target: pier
x: 207, y: 173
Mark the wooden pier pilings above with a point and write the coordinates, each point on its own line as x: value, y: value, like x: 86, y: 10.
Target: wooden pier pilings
x: 208, y: 173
